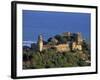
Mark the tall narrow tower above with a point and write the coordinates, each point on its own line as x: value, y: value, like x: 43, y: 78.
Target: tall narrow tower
x: 40, y: 43
x: 79, y: 38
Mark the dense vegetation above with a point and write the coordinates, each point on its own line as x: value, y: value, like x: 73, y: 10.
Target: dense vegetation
x: 50, y: 59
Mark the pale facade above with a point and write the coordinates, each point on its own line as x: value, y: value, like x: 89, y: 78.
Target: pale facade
x: 76, y: 46
x: 62, y: 47
x: 40, y: 43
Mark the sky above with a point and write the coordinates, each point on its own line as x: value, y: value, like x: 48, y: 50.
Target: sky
x: 50, y: 23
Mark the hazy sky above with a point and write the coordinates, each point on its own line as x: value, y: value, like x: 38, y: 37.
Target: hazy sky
x: 50, y: 23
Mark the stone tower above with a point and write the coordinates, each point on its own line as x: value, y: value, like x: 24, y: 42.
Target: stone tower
x: 40, y: 43
x: 79, y: 38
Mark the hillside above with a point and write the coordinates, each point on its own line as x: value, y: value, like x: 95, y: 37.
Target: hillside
x: 51, y: 58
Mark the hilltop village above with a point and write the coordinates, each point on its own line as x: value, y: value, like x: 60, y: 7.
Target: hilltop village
x: 62, y: 50
x: 70, y: 41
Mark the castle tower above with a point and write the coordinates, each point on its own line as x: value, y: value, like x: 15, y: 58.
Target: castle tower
x: 79, y: 38
x: 40, y: 43
x: 66, y: 34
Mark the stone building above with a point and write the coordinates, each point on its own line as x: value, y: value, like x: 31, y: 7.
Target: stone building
x: 40, y: 43
x: 67, y: 34
x: 79, y: 38
x: 76, y: 46
x: 62, y: 47
x: 72, y: 45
